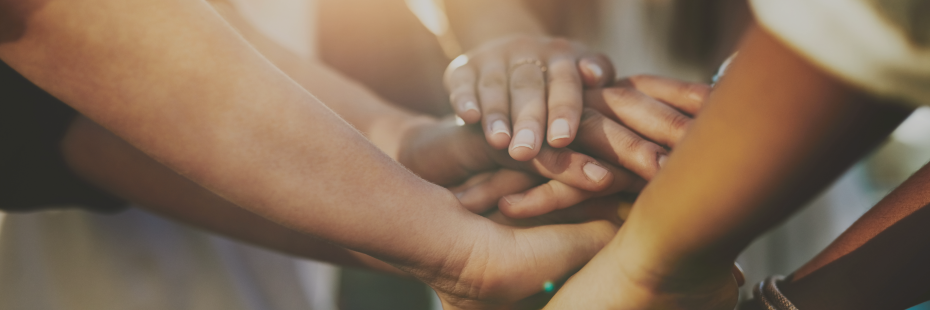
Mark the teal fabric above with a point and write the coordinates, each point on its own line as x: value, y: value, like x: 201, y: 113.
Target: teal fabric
x: 923, y: 306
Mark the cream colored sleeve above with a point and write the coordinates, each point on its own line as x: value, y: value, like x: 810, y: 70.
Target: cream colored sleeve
x: 882, y: 46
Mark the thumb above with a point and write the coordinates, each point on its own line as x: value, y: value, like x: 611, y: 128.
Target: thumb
x: 557, y: 251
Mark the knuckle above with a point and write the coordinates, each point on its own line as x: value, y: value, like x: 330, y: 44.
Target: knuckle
x: 589, y: 119
x: 493, y: 79
x: 563, y: 159
x: 627, y: 142
x: 617, y: 95
x: 547, y: 190
x: 632, y: 144
x: 557, y: 197
x: 552, y: 161
x: 562, y: 109
x: 550, y: 198
x: 677, y: 123
x: 562, y: 78
x: 527, y: 83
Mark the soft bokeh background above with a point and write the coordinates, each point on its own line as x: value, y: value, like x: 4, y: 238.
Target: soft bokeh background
x: 135, y: 260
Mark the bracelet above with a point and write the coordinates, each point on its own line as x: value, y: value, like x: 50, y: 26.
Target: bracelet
x: 770, y: 297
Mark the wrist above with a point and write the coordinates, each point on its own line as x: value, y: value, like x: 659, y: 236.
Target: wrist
x: 453, y: 270
x: 660, y: 262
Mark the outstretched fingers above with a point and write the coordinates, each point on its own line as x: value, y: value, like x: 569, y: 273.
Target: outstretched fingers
x: 494, y: 95
x: 460, y: 81
x: 554, y: 195
x: 484, y: 194
x: 615, y: 144
x: 655, y: 120
x: 528, y: 106
x: 564, y: 101
x: 685, y: 96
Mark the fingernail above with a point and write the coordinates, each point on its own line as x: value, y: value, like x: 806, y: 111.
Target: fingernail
x: 559, y: 130
x: 524, y: 138
x: 594, y: 69
x: 662, y: 159
x: 515, y: 198
x: 696, y: 96
x: 594, y: 172
x: 469, y: 105
x: 499, y: 126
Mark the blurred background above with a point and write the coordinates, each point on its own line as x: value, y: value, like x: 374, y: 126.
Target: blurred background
x: 399, y: 48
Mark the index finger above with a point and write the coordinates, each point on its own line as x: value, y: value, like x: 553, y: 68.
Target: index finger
x: 461, y: 84
x: 685, y: 96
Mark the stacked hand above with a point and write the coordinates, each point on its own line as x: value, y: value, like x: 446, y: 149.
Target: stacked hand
x: 619, y: 136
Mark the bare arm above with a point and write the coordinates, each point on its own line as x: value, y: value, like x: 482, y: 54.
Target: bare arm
x: 383, y: 123
x: 775, y: 132
x: 112, y: 164
x: 176, y: 82
x: 879, y: 262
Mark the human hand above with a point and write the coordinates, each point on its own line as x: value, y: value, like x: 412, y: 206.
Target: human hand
x: 527, y: 82
x: 615, y: 279
x: 654, y: 112
x: 632, y: 124
x: 447, y: 154
x: 485, y: 189
x: 510, y: 267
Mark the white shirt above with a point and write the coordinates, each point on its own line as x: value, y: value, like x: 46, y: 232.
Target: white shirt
x: 882, y: 46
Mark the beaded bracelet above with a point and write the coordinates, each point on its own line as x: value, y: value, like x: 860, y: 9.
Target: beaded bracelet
x: 769, y: 297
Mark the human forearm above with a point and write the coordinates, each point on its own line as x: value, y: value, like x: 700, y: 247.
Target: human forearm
x: 383, y: 123
x: 112, y: 164
x: 878, y: 263
x: 175, y: 82
x: 186, y: 90
x: 479, y: 21
x: 744, y: 167
x: 775, y: 131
